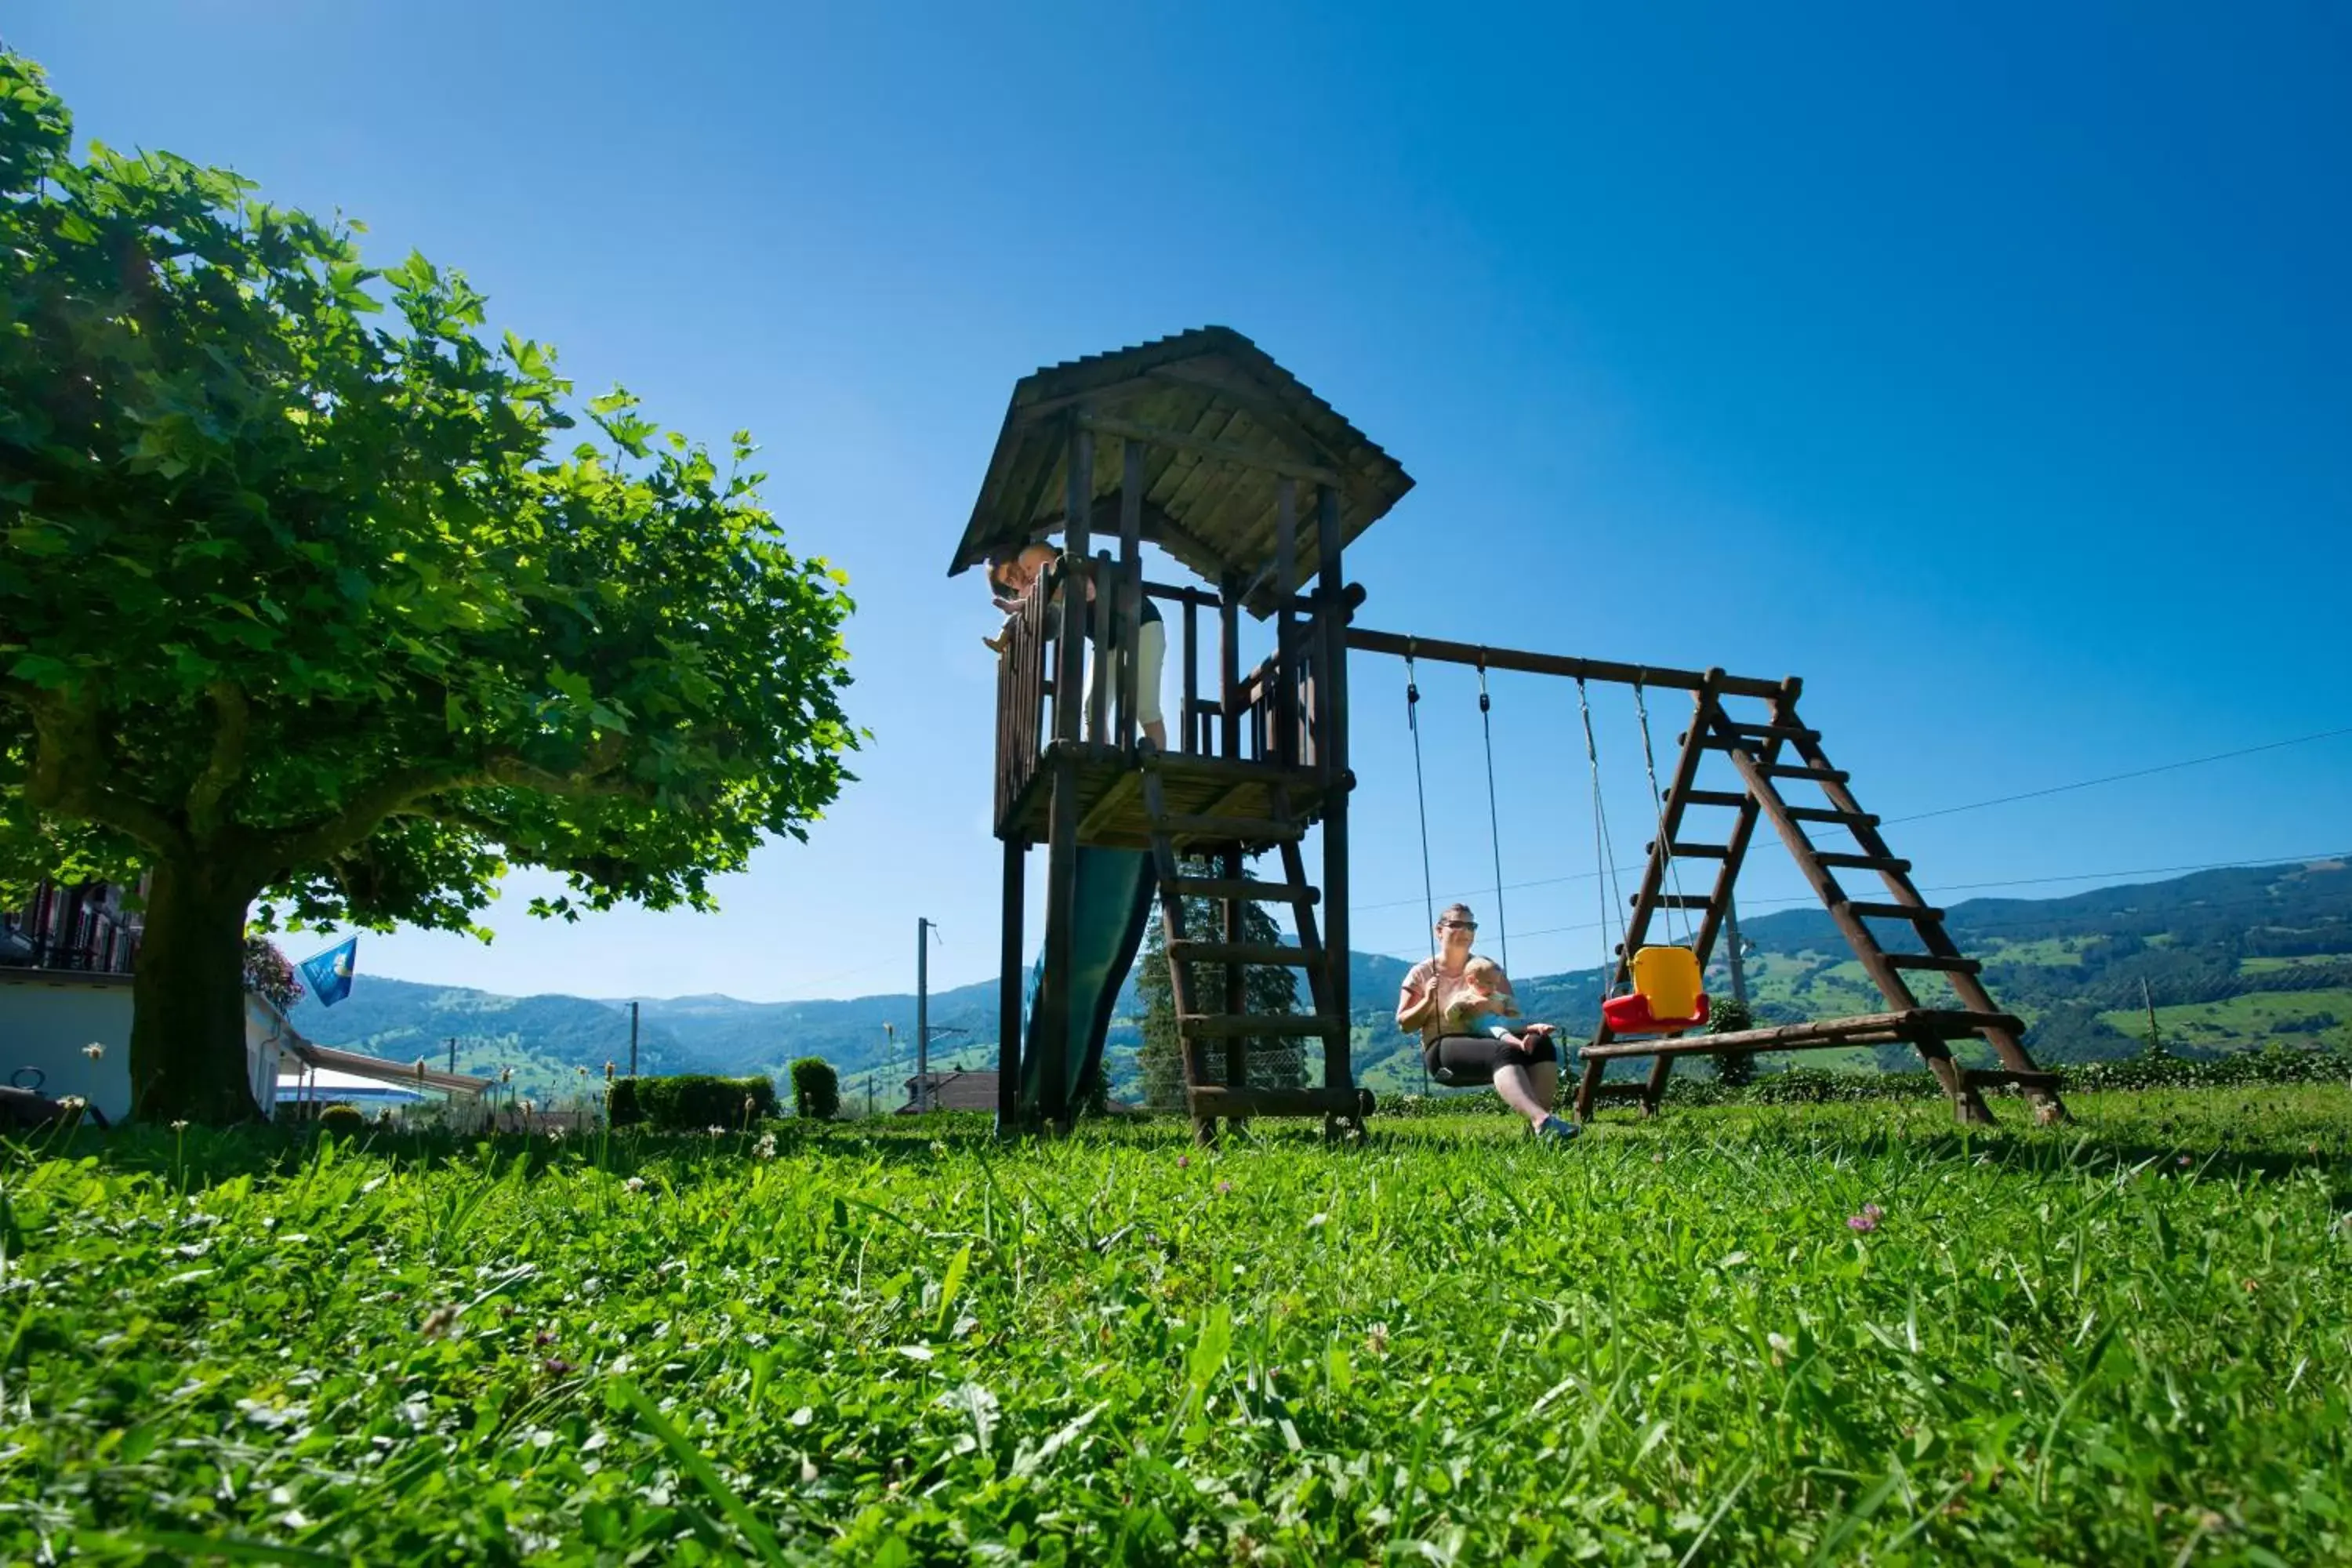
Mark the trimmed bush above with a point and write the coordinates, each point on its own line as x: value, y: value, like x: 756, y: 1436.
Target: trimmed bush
x: 340, y: 1118
x: 816, y: 1089
x: 621, y: 1106
x: 1734, y: 1070
x: 690, y: 1103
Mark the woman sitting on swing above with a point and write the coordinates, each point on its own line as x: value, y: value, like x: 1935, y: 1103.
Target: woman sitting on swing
x: 1444, y: 997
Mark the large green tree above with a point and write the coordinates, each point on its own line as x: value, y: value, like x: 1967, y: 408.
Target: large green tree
x: 1275, y: 1060
x: 307, y: 600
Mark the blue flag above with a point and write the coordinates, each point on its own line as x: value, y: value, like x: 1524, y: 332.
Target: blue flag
x: 328, y: 974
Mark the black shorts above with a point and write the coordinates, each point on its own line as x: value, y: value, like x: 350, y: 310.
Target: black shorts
x: 1460, y: 1061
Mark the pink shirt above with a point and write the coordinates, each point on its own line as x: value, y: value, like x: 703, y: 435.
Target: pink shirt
x: 1448, y: 1017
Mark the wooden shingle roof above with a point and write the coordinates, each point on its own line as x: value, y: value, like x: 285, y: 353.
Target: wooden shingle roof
x: 1208, y: 509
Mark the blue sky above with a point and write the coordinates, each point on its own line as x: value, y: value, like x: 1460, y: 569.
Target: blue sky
x: 1990, y: 366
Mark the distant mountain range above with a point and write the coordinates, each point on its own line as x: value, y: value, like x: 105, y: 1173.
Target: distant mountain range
x: 2229, y: 960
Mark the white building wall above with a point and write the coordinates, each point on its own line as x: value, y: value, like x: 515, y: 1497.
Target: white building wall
x: 49, y: 1016
x: 45, y: 1020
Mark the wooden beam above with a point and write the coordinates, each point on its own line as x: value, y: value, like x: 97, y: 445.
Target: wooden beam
x: 1009, y: 998
x: 1130, y: 594
x: 1365, y: 640
x: 1223, y: 451
x: 1339, y: 1069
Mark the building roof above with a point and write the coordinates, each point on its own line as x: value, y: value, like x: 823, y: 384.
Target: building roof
x: 375, y: 1069
x: 955, y: 1091
x: 1211, y: 510
x: 976, y: 1091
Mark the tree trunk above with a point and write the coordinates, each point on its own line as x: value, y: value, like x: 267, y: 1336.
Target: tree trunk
x: 187, y: 999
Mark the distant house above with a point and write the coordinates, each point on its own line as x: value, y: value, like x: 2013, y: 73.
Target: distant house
x: 961, y: 1090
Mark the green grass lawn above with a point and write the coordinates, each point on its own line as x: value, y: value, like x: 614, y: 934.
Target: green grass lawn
x: 1753, y: 1334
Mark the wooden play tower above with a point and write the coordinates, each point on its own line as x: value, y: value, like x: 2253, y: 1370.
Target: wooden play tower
x: 1202, y: 446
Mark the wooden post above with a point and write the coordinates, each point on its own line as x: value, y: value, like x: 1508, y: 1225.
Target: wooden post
x: 1286, y: 652
x: 1070, y: 665
x: 1229, y: 665
x: 1108, y: 587
x: 1190, y: 719
x: 1332, y: 695
x: 1130, y: 595
x: 1062, y: 830
x: 1009, y: 989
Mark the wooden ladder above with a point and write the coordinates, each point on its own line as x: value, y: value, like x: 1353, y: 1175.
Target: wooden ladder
x: 1766, y: 754
x: 1201, y: 1019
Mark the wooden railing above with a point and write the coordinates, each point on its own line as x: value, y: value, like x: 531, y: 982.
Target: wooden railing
x: 1269, y: 714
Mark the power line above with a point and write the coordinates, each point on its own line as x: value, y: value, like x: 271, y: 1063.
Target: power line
x: 2000, y: 800
x: 2117, y: 778
x: 1804, y: 899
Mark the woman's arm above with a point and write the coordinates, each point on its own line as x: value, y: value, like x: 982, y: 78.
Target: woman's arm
x: 1416, y: 1000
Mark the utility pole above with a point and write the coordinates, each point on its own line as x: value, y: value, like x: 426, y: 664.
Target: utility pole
x: 922, y: 1013
x: 2155, y: 1040
x: 453, y: 1055
x: 1731, y: 933
x: 632, y: 1039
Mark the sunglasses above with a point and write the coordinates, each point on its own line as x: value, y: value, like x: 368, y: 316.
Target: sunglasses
x: 1457, y: 925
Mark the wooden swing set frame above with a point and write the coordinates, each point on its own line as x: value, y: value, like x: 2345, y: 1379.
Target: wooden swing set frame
x: 1763, y: 752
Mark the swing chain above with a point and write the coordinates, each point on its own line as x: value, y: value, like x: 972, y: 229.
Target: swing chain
x: 1421, y: 806
x: 1658, y: 804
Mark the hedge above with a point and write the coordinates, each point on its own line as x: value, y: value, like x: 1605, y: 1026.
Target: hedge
x: 690, y: 1102
x: 816, y: 1089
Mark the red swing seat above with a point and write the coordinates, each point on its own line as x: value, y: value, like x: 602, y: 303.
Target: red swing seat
x: 1630, y: 1014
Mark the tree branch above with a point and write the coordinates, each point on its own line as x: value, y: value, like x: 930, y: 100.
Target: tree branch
x: 69, y: 767
x: 228, y: 762
x: 402, y: 791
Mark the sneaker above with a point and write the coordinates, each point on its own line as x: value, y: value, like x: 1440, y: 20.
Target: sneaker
x: 1555, y: 1131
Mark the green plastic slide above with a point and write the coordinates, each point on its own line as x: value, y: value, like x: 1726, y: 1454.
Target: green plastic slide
x: 1114, y: 898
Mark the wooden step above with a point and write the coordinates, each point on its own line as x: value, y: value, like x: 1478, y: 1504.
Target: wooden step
x: 1746, y: 736
x: 1800, y: 771
x: 1247, y: 890
x: 1270, y: 954
x: 1714, y: 797
x: 1997, y: 1078
x: 1216, y: 1100
x: 1681, y: 851
x: 1242, y: 1026
x: 1830, y: 813
x: 1228, y: 829
x: 1936, y: 962
x: 1847, y: 861
x: 1675, y: 901
x: 1922, y: 914
x: 1863, y: 1029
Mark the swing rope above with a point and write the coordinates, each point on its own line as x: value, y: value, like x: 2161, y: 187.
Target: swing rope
x: 1493, y: 818
x: 1658, y: 804
x: 1604, y: 854
x: 1420, y: 804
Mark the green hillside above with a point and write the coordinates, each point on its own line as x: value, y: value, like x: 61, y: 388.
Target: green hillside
x: 2232, y: 960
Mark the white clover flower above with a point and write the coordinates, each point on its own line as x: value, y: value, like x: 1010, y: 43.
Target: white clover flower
x: 93, y: 1050
x: 635, y: 1183
x: 179, y: 1127
x: 766, y: 1149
